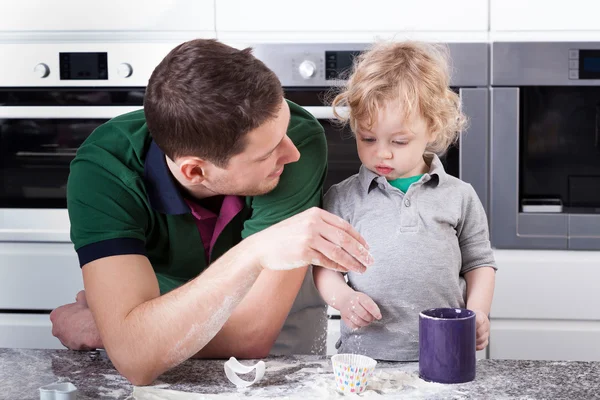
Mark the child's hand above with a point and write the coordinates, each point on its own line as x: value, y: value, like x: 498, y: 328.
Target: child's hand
x: 483, y: 329
x: 358, y: 310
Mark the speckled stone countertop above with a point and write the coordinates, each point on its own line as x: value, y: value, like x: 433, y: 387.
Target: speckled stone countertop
x: 23, y: 371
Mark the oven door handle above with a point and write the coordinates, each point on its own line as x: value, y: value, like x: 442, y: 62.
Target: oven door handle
x: 107, y: 112
x: 64, y: 112
x: 324, y: 112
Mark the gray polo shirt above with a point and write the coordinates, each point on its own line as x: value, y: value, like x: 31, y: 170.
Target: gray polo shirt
x: 423, y: 242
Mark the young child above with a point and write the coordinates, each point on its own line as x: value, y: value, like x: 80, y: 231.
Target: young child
x: 427, y: 230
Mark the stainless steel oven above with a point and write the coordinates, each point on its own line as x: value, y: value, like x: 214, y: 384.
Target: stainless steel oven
x: 545, y: 145
x: 308, y: 71
x: 52, y: 96
x: 40, y: 131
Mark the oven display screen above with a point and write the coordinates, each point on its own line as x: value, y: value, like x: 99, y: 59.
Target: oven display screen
x: 338, y: 62
x: 83, y: 66
x: 589, y: 64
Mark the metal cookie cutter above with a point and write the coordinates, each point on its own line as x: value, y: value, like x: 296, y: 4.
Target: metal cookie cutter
x: 58, y: 391
x: 233, y: 367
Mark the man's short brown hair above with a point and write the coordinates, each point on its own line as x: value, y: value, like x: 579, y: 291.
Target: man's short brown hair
x: 204, y: 97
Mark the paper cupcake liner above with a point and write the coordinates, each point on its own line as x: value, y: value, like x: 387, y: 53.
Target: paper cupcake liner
x: 352, y: 372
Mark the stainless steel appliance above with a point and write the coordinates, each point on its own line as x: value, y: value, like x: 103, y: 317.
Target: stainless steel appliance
x: 308, y: 71
x: 545, y: 145
x: 52, y: 96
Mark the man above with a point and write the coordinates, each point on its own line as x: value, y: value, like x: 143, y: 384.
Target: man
x: 195, y: 220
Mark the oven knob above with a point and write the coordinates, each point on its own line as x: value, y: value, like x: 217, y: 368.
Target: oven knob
x: 307, y: 69
x: 125, y: 70
x: 41, y: 70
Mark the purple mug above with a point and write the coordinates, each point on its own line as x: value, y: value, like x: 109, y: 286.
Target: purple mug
x: 447, y: 345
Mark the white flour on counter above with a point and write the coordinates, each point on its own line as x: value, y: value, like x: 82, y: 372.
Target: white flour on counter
x: 317, y: 382
x: 105, y: 392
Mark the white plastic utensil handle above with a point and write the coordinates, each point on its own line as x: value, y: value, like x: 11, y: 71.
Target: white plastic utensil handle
x: 233, y: 367
x: 58, y: 391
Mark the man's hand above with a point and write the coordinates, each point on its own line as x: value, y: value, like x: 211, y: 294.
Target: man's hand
x: 312, y: 237
x: 357, y: 309
x: 483, y: 329
x: 74, y: 325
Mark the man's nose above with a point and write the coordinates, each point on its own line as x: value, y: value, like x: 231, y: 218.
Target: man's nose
x: 291, y: 153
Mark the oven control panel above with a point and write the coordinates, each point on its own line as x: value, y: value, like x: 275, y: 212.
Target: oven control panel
x: 329, y: 64
x: 325, y: 66
x: 79, y: 64
x: 339, y: 63
x: 307, y: 68
x: 584, y: 64
x: 84, y: 66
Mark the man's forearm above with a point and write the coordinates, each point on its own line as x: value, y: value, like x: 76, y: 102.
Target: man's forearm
x: 480, y: 288
x: 256, y: 323
x: 164, y: 331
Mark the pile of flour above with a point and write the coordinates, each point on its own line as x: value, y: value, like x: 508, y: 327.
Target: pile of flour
x: 385, y: 383
x: 317, y: 382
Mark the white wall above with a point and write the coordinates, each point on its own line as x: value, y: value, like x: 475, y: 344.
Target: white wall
x: 307, y: 21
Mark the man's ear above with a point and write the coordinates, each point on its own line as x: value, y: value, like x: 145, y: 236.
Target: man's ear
x: 193, y: 169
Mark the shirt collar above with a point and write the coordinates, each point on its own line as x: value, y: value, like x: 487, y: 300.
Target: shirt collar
x: 436, y: 168
x: 437, y: 174
x: 162, y: 190
x: 368, y: 178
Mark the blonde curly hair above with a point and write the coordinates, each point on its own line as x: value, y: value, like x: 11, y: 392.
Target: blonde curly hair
x: 417, y: 74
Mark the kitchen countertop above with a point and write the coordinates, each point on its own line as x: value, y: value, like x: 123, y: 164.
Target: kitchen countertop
x: 23, y: 371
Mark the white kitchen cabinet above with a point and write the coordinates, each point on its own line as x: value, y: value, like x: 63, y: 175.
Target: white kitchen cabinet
x: 27, y: 331
x: 547, y: 285
x: 34, y: 279
x: 318, y: 20
x: 544, y: 15
x: 545, y: 340
x: 546, y: 305
x: 38, y: 276
x: 108, y: 15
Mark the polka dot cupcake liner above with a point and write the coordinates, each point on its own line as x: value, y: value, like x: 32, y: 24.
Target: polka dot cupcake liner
x: 352, y: 372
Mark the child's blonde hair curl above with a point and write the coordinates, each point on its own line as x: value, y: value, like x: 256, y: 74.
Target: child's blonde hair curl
x: 417, y: 74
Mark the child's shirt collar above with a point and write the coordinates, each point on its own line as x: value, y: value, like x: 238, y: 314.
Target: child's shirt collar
x: 369, y: 179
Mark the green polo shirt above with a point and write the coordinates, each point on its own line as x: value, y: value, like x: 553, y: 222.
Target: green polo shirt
x: 122, y: 198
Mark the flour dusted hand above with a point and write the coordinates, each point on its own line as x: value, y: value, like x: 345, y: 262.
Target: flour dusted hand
x: 358, y: 310
x: 312, y: 237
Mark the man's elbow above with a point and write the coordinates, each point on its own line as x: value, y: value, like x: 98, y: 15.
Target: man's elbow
x: 259, y: 347
x: 138, y: 370
x: 262, y: 348
x: 139, y: 378
x: 138, y: 375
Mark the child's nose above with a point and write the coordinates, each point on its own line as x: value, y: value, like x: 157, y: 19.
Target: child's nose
x: 384, y: 152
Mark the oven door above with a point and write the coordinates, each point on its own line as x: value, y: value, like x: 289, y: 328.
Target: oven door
x: 466, y: 160
x: 545, y: 176
x: 37, y: 145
